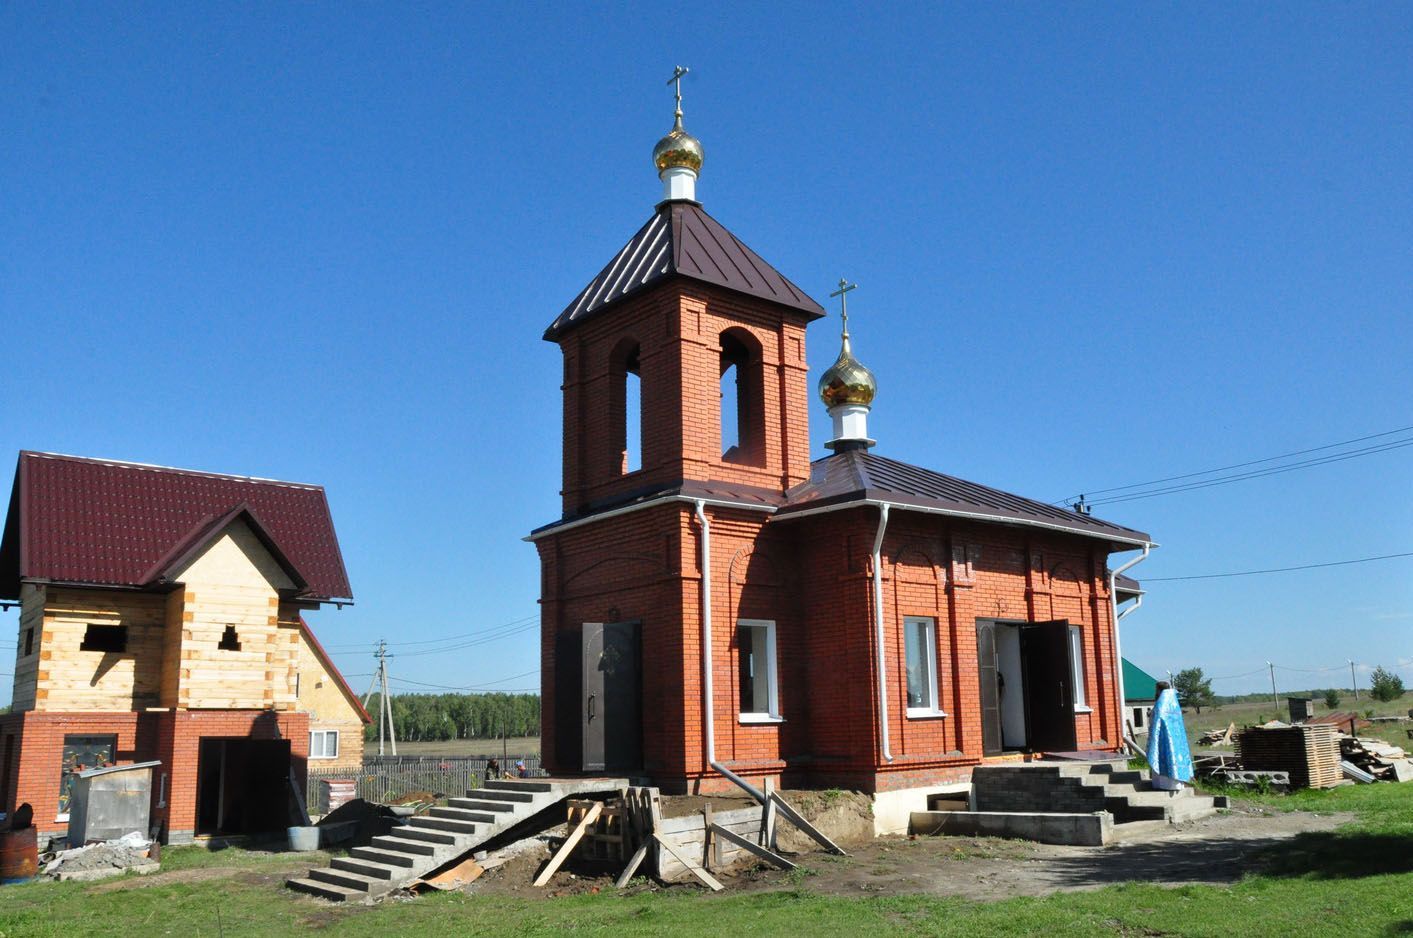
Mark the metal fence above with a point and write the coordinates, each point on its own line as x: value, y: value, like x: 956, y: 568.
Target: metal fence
x: 389, y: 778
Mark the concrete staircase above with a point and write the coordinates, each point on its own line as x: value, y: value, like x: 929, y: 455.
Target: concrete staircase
x: 1084, y: 787
x: 444, y: 834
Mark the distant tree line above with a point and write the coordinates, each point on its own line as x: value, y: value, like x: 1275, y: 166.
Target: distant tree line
x: 435, y: 717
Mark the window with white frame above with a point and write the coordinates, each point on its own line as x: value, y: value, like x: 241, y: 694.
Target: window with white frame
x: 755, y: 641
x: 1077, y: 665
x: 920, y: 659
x: 324, y: 744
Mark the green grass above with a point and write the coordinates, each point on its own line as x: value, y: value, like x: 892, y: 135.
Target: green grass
x: 1354, y: 881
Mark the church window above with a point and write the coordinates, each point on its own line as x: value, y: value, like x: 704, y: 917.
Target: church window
x: 742, y: 398
x: 755, y: 641
x: 229, y: 640
x: 29, y: 641
x: 1077, y: 667
x: 920, y: 653
x: 626, y: 407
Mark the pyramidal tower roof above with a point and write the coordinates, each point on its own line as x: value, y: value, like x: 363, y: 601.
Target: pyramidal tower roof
x: 681, y: 239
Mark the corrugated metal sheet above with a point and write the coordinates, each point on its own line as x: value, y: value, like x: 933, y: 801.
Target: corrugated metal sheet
x: 857, y: 475
x: 108, y: 523
x: 682, y: 239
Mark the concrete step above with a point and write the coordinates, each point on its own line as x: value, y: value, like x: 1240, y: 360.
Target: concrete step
x: 1125, y: 813
x: 461, y: 814
x: 328, y: 891
x: 427, y: 835
x: 1192, y: 809
x: 368, y: 868
x: 346, y: 879
x: 499, y: 794
x: 401, y: 845
x: 475, y: 804
x: 519, y: 784
x: 385, y: 857
x: 443, y: 824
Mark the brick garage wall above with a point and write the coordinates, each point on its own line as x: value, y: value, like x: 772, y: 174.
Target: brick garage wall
x: 170, y: 737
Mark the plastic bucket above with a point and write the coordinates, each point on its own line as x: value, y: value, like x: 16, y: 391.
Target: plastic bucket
x: 19, y: 855
x: 304, y: 839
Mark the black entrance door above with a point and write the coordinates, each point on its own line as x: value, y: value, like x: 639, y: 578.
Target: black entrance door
x: 612, y: 716
x: 1049, y: 690
x: 991, y: 742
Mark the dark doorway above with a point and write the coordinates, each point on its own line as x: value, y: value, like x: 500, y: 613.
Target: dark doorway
x: 612, y: 714
x: 990, y: 690
x: 1049, y: 690
x: 568, y: 700
x: 242, y: 786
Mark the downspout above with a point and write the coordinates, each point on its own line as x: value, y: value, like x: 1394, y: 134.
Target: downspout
x: 1116, y: 616
x: 878, y: 631
x: 708, y: 707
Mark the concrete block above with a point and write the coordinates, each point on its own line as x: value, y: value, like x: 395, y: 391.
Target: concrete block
x: 1084, y: 830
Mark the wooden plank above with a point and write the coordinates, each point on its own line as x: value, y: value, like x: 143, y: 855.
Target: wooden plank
x: 694, y: 867
x: 767, y: 818
x: 568, y: 846
x: 769, y: 856
x: 632, y: 867
x: 794, y: 817
x: 711, y: 843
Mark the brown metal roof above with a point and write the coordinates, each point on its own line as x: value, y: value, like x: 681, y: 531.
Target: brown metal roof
x: 1123, y: 583
x: 860, y: 475
x: 106, y: 523
x: 682, y: 239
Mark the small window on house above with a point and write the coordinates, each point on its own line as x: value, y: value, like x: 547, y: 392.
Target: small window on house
x: 29, y: 641
x: 324, y: 744
x: 105, y: 638
x: 229, y: 640
x: 755, y: 640
x: 920, y: 651
x: 1138, y: 718
x: 1077, y: 664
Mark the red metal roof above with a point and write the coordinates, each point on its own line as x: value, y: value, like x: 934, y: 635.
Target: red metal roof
x: 682, y: 239
x: 107, y: 523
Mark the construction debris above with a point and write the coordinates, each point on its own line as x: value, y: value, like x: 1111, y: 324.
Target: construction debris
x: 1217, y: 737
x: 131, y: 852
x: 1374, y: 758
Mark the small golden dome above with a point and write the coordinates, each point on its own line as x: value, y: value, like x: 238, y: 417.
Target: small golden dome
x: 847, y: 381
x: 678, y: 148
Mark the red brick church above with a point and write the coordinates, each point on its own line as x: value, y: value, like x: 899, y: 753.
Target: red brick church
x: 720, y: 604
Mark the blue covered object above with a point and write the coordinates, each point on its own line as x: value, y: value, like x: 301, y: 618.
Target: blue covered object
x: 1168, y: 752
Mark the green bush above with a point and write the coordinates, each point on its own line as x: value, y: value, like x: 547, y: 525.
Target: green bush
x: 1385, y: 685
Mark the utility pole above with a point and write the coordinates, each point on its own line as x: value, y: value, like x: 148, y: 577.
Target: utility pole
x: 1274, y: 698
x: 1353, y: 679
x: 386, y: 731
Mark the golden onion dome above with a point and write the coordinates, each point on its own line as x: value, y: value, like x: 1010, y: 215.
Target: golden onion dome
x: 678, y: 148
x: 847, y: 381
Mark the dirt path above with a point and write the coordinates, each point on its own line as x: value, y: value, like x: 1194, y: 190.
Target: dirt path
x: 1216, y: 850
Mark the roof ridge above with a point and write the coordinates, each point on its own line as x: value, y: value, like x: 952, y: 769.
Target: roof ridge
x: 157, y: 467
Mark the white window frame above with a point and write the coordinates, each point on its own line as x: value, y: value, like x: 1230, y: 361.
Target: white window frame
x: 325, y: 734
x: 772, y: 676
x: 934, y: 708
x: 1081, y: 703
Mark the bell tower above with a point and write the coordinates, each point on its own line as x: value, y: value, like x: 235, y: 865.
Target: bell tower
x: 687, y: 347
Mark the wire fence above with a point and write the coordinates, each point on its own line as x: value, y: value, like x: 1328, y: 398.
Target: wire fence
x: 386, y: 779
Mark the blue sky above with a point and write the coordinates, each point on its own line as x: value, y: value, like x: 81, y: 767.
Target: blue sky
x: 1096, y: 245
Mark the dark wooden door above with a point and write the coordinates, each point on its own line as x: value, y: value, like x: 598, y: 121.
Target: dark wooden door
x: 612, y: 714
x: 1049, y: 690
x: 991, y: 743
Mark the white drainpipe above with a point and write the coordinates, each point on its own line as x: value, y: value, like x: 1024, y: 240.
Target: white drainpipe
x: 709, y: 710
x: 878, y: 630
x: 1116, y: 616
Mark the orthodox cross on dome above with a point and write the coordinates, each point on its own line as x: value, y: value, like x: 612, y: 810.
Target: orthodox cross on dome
x: 676, y: 79
x: 843, y: 294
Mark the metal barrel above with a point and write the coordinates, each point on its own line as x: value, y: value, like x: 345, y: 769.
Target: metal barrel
x: 19, y: 855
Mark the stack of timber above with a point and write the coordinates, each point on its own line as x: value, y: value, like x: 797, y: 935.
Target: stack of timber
x: 1218, y: 737
x: 1373, y: 760
x: 1310, y: 754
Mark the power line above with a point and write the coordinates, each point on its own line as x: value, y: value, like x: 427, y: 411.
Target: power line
x: 1307, y: 566
x: 433, y: 641
x: 1239, y: 465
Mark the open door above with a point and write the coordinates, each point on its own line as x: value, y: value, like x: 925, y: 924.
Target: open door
x: 1049, y: 690
x: 612, y: 715
x: 991, y: 744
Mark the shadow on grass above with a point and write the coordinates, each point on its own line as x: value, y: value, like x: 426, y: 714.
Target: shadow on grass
x: 1320, y: 855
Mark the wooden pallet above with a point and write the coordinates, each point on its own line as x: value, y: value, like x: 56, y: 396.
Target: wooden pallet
x: 1310, y: 753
